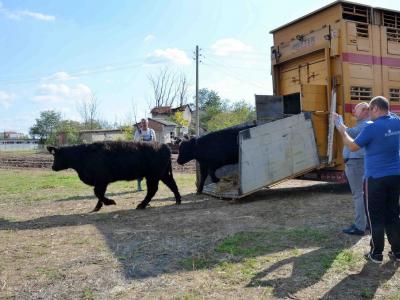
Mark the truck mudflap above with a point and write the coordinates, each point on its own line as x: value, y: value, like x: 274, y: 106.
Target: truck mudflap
x: 268, y: 154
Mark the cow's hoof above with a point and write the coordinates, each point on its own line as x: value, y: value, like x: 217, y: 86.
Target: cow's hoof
x: 110, y: 202
x: 199, y: 192
x: 96, y: 209
x: 178, y: 202
x: 141, y: 206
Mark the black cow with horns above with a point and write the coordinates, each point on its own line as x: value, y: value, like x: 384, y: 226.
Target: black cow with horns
x: 102, y: 163
x: 212, y: 151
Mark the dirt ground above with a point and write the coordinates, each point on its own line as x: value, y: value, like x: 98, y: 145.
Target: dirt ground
x: 56, y: 250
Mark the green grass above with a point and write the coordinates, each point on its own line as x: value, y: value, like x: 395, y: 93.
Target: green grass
x: 21, y: 152
x: 249, y: 252
x: 366, y: 293
x: 49, y: 273
x: 249, y: 244
x: 36, y: 185
x: 87, y: 293
x: 22, y: 181
x: 195, y: 263
x: 345, y: 259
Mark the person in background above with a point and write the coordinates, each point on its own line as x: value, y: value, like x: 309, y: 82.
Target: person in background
x: 143, y: 134
x: 354, y: 169
x: 380, y: 139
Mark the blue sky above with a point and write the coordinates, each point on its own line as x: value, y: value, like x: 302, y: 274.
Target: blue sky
x: 54, y: 54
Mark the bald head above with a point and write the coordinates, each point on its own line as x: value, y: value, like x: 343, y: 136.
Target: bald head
x: 361, y: 111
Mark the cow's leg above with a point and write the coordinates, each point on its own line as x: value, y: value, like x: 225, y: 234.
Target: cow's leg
x: 169, y: 181
x: 214, y: 178
x: 99, y: 191
x: 203, y: 176
x: 152, y: 187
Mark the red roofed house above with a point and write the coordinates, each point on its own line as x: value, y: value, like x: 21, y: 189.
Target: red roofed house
x: 165, y: 112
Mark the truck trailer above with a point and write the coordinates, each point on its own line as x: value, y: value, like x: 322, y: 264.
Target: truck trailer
x: 326, y: 61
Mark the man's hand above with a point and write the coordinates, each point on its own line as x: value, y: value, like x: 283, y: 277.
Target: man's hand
x: 339, y: 122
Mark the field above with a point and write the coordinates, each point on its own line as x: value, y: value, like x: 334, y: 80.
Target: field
x: 283, y: 242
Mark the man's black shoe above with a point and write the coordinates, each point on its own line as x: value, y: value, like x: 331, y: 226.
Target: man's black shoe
x: 394, y: 256
x: 353, y: 230
x: 375, y: 258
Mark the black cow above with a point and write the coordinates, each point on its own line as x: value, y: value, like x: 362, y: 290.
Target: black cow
x: 212, y: 151
x: 101, y: 163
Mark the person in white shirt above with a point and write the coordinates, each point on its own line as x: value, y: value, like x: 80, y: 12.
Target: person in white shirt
x: 143, y: 134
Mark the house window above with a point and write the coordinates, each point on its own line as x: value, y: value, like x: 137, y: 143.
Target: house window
x: 359, y: 93
x: 394, y: 95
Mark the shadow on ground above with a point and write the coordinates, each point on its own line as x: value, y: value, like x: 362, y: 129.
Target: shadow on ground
x: 158, y: 240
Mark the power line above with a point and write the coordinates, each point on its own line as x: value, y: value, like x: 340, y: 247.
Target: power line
x: 77, y: 72
x: 231, y: 74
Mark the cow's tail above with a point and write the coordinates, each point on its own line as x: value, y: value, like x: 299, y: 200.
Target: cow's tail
x: 170, y: 168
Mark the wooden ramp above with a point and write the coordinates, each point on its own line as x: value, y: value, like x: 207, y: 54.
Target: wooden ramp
x: 269, y: 154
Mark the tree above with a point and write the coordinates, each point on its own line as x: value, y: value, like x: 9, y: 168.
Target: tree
x: 210, y: 104
x: 46, y: 125
x: 209, y: 98
x: 89, y: 111
x: 238, y: 113
x: 70, y: 130
x: 168, y: 88
x: 178, y: 119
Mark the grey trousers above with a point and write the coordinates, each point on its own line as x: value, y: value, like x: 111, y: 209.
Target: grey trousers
x: 355, y: 175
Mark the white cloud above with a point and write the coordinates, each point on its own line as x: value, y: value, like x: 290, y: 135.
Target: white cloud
x: 59, y: 76
x: 5, y: 98
x: 149, y: 38
x: 35, y: 15
x: 227, y: 46
x: 61, y: 92
x: 169, y: 55
x: 21, y: 14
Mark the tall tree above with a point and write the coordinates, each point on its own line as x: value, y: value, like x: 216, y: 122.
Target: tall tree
x: 70, y: 131
x: 210, y: 105
x: 168, y: 88
x: 209, y: 98
x: 46, y: 125
x: 238, y: 113
x: 89, y: 111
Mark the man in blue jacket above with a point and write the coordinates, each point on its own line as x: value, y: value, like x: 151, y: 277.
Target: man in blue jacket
x: 380, y: 139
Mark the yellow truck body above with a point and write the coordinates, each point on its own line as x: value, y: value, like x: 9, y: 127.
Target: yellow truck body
x: 347, y: 48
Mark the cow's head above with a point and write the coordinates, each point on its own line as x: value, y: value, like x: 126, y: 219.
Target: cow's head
x: 60, y: 161
x: 186, y: 151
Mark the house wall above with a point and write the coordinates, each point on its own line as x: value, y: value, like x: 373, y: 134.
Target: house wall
x: 187, y: 115
x: 91, y: 137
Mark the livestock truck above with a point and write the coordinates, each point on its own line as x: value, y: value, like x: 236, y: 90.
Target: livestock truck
x: 326, y: 61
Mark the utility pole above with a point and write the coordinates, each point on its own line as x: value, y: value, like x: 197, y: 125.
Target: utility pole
x: 197, y: 113
x: 197, y: 93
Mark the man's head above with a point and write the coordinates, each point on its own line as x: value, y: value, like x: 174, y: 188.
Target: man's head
x: 378, y: 106
x: 144, y: 124
x: 360, y: 111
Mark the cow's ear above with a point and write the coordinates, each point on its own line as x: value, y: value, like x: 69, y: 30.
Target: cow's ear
x: 51, y: 149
